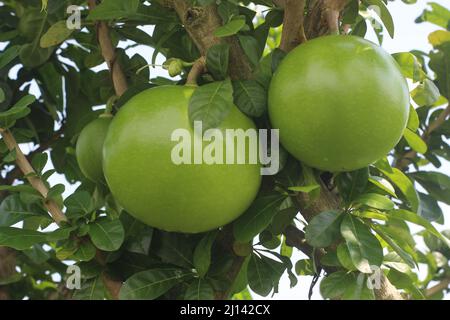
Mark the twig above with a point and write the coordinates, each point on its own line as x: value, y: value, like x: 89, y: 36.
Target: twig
x: 16, y: 173
x: 36, y: 182
x: 438, y: 287
x: 293, y: 32
x: 406, y: 159
x: 197, y: 69
x: 109, y: 55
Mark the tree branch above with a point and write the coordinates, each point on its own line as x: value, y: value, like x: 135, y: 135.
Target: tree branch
x: 438, y: 287
x: 200, y: 23
x: 109, y: 55
x: 406, y: 159
x: 293, y: 32
x: 323, y: 17
x: 36, y: 182
x: 387, y: 291
x: 7, y: 269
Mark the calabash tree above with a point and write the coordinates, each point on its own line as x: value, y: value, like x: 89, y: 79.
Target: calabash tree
x: 65, y: 63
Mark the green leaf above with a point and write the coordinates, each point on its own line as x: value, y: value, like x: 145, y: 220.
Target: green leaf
x: 33, y: 55
x: 305, y: 189
x: 403, y: 183
x: 86, y: 252
x: 199, y: 289
x: 384, y: 14
x: 352, y: 184
x: 93, y: 289
x: 56, y: 191
x: 217, y: 60
x: 79, y: 202
x: 251, y: 48
x: 59, y: 234
x: 402, y: 253
x: 393, y: 260
x: 413, y: 119
x: 8, y: 55
x: 403, y: 281
x: 151, y: 284
x: 106, y: 234
x: 12, y: 210
x: 359, y: 290
x: 376, y: 201
x: 18, y: 111
x: 439, y: 37
x: 323, y: 229
x: 211, y: 104
x: 383, y: 184
x: 230, y: 28
x: 20, y: 239
x: 250, y: 97
x: 429, y: 208
x: 436, y: 183
x: 426, y: 93
x: 202, y: 253
x: 439, y: 64
x: 56, y: 34
x: 365, y: 249
x: 263, y: 274
x: 344, y: 257
x: 415, y: 142
x: 114, y: 9
x: 414, y: 218
x: 304, y: 267
x: 39, y: 161
x: 334, y: 285
x: 257, y: 217
x: 410, y: 66
x: 439, y: 15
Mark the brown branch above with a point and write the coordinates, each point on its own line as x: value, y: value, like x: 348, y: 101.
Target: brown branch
x: 36, y: 182
x: 197, y: 69
x: 323, y: 17
x: 293, y: 32
x: 387, y: 291
x: 332, y: 11
x: 16, y: 173
x: 406, y: 159
x: 7, y: 269
x: 200, y: 23
x: 109, y: 55
x: 444, y: 284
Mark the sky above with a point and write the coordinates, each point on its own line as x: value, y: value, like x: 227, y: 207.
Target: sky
x: 408, y: 36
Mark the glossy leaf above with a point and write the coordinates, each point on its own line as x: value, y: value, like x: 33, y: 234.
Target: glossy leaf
x: 365, y: 249
x: 106, y: 234
x: 323, y: 229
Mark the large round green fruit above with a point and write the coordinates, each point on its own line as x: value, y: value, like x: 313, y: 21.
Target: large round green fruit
x: 340, y: 102
x: 143, y: 178
x: 89, y: 150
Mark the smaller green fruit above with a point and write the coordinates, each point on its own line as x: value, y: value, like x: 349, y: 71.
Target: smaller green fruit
x: 90, y: 146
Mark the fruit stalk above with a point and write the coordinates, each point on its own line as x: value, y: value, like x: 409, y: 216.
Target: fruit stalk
x: 197, y: 69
